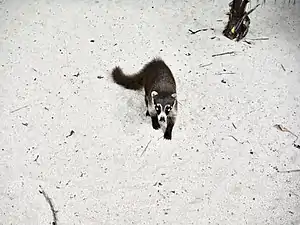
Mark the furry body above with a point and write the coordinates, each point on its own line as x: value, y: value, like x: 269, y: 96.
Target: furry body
x: 160, y: 92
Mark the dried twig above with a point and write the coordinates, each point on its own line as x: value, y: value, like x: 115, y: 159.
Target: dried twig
x: 204, y: 65
x: 49, y: 201
x: 234, y: 125
x: 282, y: 67
x: 71, y: 133
x: 36, y: 158
x: 204, y: 29
x: 259, y: 39
x: 223, y: 53
x: 284, y: 129
x: 16, y: 110
x: 77, y: 74
x: 288, y: 171
x: 221, y: 73
x: 145, y: 148
x: 248, y: 42
x: 234, y: 138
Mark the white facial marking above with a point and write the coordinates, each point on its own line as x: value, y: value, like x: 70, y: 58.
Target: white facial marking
x: 154, y: 93
x: 162, y: 118
x: 158, y: 107
x: 168, y: 108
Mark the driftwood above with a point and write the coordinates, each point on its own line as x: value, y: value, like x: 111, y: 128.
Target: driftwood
x: 239, y: 21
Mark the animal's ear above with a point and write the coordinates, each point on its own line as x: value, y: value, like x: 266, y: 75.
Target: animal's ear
x: 154, y: 93
x: 174, y: 95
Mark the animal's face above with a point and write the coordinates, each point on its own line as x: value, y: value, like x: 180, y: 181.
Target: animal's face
x: 164, y: 103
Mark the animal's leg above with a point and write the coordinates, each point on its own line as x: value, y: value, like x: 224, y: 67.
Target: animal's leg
x: 146, y: 102
x: 155, y: 123
x: 169, y: 129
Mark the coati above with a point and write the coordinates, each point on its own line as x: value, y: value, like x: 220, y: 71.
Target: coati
x: 160, y: 92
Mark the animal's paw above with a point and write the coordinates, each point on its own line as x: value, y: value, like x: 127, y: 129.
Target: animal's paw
x: 155, y: 123
x: 168, y: 136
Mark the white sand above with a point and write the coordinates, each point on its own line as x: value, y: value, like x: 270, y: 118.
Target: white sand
x: 97, y: 175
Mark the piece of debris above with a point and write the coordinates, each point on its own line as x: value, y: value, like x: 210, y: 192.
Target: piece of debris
x: 283, y: 129
x: 49, y: 201
x: 259, y: 39
x: 35, y: 160
x: 16, y: 110
x: 234, y: 138
x: 100, y: 77
x: 233, y: 125
x: 223, y: 53
x: 76, y: 75
x: 71, y: 133
x: 92, y: 40
x: 204, y: 65
x: 296, y: 146
x: 288, y: 171
x: 223, y: 81
x: 248, y: 42
x: 222, y: 73
x: 239, y: 21
x: 25, y: 124
x: 282, y: 67
x: 145, y: 148
x: 204, y: 29
x: 188, y: 54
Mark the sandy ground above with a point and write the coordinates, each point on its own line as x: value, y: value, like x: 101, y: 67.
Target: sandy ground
x: 221, y: 167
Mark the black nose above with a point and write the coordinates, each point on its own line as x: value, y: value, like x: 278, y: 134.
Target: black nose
x: 162, y: 119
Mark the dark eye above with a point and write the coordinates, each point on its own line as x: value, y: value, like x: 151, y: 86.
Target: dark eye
x: 168, y: 108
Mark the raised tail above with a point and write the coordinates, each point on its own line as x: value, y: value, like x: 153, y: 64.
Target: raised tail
x: 133, y: 82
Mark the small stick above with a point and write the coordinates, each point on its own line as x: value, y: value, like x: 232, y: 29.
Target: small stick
x: 221, y: 73
x: 36, y: 158
x: 204, y: 65
x: 289, y: 171
x: 223, y: 53
x: 259, y: 39
x: 234, y: 125
x: 248, y: 42
x: 234, y: 138
x: 16, y: 110
x: 204, y: 29
x: 145, y: 148
x: 283, y: 129
x: 71, y: 133
x: 49, y: 201
x: 282, y: 67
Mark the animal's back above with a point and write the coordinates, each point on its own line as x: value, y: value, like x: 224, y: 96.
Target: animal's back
x: 159, y: 76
